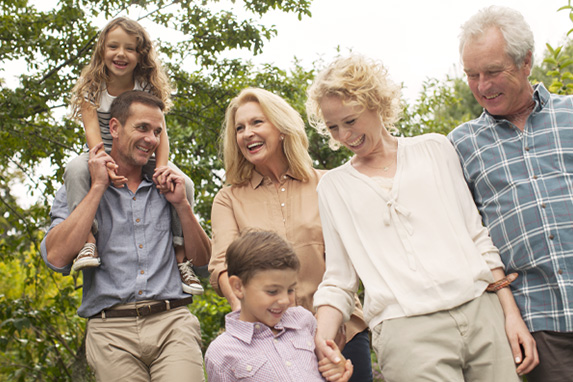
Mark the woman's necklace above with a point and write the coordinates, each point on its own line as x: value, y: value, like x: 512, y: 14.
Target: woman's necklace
x: 384, y: 168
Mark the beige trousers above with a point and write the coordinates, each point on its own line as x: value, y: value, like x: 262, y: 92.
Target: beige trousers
x: 467, y: 343
x: 163, y: 347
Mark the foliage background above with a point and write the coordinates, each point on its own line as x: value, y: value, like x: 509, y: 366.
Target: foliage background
x: 41, y: 337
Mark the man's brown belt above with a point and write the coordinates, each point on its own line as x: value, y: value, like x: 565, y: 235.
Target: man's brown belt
x: 145, y: 309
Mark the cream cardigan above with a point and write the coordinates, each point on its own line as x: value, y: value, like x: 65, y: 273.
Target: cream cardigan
x: 418, y: 249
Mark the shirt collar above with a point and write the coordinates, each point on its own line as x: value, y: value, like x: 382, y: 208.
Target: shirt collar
x: 146, y: 177
x: 541, y: 96
x: 245, y: 331
x: 257, y: 178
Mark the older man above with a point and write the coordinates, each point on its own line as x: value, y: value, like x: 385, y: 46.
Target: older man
x: 139, y: 327
x: 517, y: 158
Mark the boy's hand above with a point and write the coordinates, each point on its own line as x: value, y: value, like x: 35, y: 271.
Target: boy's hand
x: 335, y: 372
x: 116, y: 180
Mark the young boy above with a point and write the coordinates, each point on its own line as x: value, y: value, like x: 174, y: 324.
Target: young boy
x: 268, y: 339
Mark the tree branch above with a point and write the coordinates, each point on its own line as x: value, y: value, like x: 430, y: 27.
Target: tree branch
x: 86, y: 47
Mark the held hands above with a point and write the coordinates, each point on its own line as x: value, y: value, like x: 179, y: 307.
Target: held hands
x: 116, y: 180
x: 97, y: 165
x: 100, y: 160
x: 170, y: 183
x: 160, y: 180
x: 334, y: 368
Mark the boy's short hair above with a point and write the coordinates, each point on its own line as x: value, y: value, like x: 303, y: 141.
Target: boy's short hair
x: 256, y: 251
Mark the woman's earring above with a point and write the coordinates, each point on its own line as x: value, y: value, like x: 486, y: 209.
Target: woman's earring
x: 282, y: 137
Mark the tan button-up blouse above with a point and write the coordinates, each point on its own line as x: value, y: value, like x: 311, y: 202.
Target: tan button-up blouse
x: 291, y: 210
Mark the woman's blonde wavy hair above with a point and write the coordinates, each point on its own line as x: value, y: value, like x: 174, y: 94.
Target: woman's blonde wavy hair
x: 287, y: 120
x: 357, y: 81
x: 149, y: 71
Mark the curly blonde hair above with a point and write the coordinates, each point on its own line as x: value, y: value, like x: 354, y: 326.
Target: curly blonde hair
x: 357, y: 81
x: 238, y: 169
x: 149, y: 71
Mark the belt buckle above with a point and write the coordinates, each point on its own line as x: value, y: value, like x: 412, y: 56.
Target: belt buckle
x: 143, y: 313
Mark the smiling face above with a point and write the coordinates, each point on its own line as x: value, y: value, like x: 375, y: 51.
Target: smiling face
x: 357, y: 129
x: 120, y: 53
x: 258, y: 139
x: 266, y: 296
x: 135, y: 141
x: 497, y: 83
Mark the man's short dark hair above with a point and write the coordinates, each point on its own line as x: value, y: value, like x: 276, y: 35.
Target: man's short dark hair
x: 120, y: 107
x: 256, y: 251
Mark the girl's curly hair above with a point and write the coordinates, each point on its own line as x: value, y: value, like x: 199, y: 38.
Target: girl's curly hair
x: 149, y: 71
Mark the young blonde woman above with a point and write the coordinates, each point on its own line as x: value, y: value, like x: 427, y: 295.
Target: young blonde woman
x: 398, y: 216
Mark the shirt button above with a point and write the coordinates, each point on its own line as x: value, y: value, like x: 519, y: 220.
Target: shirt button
x: 249, y: 368
x: 551, y: 237
x: 542, y: 205
x: 137, y: 220
x: 142, y: 272
x: 288, y: 363
x: 257, y: 326
x: 560, y: 271
x: 140, y: 245
x: 534, y: 176
x: 134, y: 198
x: 276, y: 340
x: 140, y: 292
x: 526, y: 148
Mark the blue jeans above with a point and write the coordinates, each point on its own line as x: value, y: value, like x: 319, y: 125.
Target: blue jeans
x: 357, y: 350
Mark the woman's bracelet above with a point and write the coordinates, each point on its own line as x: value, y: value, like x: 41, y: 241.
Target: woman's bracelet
x: 501, y: 283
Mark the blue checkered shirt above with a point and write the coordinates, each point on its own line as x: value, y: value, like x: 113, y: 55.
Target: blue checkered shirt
x: 522, y: 183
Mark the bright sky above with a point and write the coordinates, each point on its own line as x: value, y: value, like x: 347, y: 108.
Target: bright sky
x: 416, y: 39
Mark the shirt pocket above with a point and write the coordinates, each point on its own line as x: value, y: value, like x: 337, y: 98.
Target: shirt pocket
x: 244, y: 370
x: 161, y: 217
x: 306, y: 358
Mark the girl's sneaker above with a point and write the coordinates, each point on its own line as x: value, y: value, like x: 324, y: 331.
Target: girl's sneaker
x: 189, y: 281
x: 86, y: 258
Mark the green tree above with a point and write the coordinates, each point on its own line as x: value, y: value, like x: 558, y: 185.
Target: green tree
x: 440, y: 107
x: 555, y: 70
x: 41, y: 337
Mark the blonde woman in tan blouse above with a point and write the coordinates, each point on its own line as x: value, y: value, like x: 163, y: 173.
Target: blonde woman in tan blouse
x: 272, y: 186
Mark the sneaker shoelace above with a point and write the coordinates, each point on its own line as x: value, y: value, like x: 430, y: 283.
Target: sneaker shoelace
x: 188, y: 273
x: 87, y: 250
